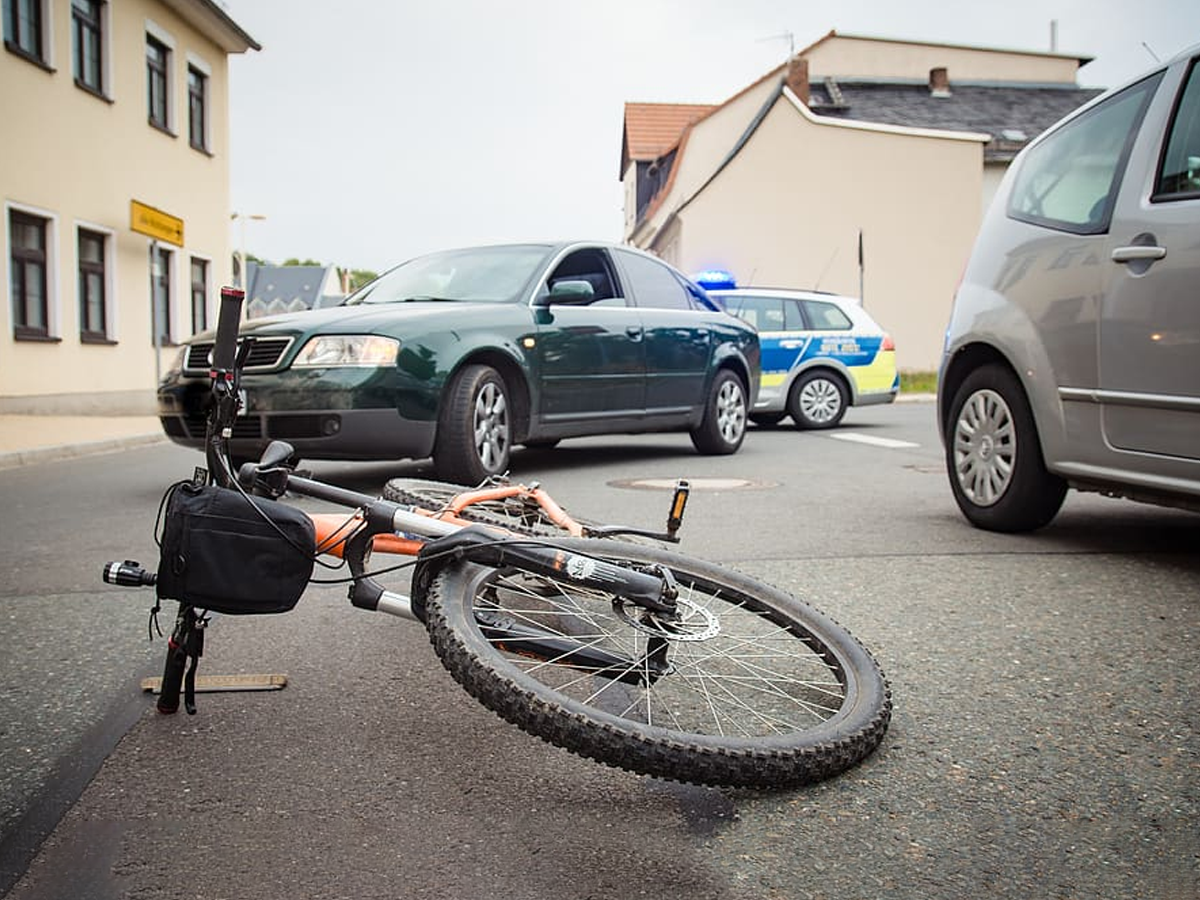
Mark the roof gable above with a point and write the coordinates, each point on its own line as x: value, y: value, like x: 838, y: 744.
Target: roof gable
x: 651, y: 129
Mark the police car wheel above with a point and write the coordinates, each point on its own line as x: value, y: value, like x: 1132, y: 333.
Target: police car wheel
x: 817, y: 400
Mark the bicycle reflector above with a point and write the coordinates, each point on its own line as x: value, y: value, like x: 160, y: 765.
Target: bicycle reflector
x: 678, y: 503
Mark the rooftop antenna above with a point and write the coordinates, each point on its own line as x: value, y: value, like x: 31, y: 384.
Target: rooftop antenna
x: 1151, y: 52
x: 791, y: 39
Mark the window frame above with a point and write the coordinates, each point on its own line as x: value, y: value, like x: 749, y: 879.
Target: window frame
x: 98, y: 29
x: 162, y: 254
x: 199, y: 292
x: 42, y: 54
x: 48, y: 223
x: 1189, y: 89
x: 199, y: 137
x: 1030, y: 161
x: 104, y: 269
x: 808, y: 306
x: 629, y: 261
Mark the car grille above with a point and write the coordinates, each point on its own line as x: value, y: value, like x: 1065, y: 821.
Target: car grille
x: 264, y: 354
x: 247, y: 427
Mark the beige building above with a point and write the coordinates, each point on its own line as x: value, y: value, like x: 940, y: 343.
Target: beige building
x: 114, y: 176
x: 856, y: 149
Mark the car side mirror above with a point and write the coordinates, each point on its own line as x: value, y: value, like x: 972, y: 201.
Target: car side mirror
x: 568, y: 291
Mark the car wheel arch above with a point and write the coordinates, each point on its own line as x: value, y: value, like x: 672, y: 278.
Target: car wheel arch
x: 514, y: 379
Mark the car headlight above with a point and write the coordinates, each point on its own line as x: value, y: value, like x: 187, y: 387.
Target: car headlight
x: 177, y: 364
x: 365, y: 350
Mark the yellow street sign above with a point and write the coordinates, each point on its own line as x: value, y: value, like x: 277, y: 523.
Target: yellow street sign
x: 155, y: 223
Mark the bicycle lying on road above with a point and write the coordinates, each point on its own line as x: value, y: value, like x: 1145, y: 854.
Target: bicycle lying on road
x: 618, y: 650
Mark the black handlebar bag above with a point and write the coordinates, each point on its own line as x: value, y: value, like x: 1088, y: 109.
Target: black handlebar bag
x: 226, y: 552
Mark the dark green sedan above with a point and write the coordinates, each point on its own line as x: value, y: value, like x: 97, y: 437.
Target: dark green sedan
x: 462, y: 354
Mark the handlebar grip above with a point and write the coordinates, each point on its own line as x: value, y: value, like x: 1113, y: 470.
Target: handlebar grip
x: 228, y: 318
x: 172, y: 678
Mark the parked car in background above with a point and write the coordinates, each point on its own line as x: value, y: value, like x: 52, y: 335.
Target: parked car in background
x: 462, y: 354
x: 1072, y: 356
x: 821, y: 353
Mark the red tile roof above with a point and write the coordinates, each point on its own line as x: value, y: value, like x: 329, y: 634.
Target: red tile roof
x: 651, y: 129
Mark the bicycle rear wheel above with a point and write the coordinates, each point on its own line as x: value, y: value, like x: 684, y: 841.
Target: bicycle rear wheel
x: 511, y: 513
x: 750, y: 687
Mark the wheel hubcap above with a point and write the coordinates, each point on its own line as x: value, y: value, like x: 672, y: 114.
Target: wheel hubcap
x: 731, y: 411
x: 491, y: 426
x: 820, y: 400
x: 985, y: 448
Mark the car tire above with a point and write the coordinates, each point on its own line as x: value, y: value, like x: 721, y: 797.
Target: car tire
x: 818, y: 399
x: 474, y: 436
x: 723, y: 427
x: 994, y: 458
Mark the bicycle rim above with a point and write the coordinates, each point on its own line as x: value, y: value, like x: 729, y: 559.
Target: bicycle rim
x: 753, y: 688
x: 511, y: 513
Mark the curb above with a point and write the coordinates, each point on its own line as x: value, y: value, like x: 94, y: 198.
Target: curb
x: 15, y: 458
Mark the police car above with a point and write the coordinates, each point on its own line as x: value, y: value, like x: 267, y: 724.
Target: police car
x: 821, y: 353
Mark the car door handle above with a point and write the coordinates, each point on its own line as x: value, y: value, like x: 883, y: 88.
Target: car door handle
x: 1138, y: 253
x: 634, y: 332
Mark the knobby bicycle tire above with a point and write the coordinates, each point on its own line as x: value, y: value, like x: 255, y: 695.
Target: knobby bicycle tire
x: 762, y: 690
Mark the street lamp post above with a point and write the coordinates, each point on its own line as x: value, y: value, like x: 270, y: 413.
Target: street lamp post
x: 242, y: 217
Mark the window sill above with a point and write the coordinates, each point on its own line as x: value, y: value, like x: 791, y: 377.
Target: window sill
x: 101, y: 339
x: 35, y: 337
x: 98, y: 94
x: 203, y: 150
x: 160, y: 127
x: 18, y: 50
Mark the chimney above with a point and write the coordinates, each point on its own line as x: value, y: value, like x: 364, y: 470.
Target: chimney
x: 796, y: 78
x: 939, y: 82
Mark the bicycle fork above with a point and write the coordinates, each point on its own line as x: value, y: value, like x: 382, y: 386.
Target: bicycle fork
x: 653, y: 590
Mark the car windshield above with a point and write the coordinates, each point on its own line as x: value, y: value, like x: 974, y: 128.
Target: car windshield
x: 488, y: 274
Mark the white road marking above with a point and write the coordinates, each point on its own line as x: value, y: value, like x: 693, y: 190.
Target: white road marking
x: 856, y: 438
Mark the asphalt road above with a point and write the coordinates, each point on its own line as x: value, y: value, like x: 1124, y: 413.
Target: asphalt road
x: 1044, y: 742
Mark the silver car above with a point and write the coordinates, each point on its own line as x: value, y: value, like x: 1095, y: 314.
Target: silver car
x: 1072, y: 357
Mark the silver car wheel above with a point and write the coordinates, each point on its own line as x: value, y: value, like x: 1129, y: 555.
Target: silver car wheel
x: 985, y: 448
x: 491, y: 425
x: 820, y: 400
x: 731, y: 411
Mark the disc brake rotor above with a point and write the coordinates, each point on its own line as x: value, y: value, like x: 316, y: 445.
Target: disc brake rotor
x: 694, y: 623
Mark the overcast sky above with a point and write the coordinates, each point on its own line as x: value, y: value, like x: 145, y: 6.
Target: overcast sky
x: 369, y: 131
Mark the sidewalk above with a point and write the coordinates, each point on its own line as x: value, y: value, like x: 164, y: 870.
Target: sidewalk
x: 30, y: 439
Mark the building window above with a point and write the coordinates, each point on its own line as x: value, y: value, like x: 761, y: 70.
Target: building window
x: 24, y: 29
x: 86, y: 44
x: 158, y: 61
x: 28, y: 274
x: 199, y: 295
x: 160, y: 291
x: 197, y: 109
x: 93, y: 299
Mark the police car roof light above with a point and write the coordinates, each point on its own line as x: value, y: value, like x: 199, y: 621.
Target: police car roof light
x: 715, y: 279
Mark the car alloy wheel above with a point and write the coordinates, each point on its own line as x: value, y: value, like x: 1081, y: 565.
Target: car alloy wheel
x: 985, y: 448
x: 731, y: 411
x: 490, y: 426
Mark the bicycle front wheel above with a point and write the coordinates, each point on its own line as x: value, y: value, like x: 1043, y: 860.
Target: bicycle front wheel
x: 747, y: 687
